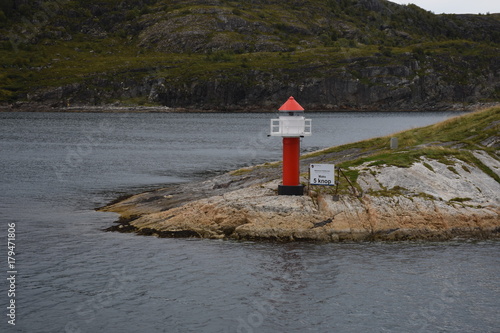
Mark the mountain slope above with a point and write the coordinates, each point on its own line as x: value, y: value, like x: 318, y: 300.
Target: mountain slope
x: 203, y: 54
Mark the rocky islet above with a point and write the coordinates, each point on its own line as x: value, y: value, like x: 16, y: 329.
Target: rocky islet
x: 431, y: 198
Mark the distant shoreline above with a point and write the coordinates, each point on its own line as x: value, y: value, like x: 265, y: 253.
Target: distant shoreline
x: 39, y: 107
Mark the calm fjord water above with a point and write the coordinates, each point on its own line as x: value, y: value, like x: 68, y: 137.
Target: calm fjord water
x: 56, y: 168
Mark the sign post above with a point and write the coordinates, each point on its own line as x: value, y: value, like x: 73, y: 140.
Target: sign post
x: 322, y: 174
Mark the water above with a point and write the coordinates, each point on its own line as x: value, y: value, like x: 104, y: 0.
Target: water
x: 72, y: 277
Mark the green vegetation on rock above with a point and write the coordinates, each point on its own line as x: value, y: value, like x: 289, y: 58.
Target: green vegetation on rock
x: 455, y: 138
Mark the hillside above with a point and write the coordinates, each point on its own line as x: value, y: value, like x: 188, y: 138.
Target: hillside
x: 233, y: 55
x: 441, y: 183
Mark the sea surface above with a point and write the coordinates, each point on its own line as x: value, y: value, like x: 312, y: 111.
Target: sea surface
x: 67, y: 275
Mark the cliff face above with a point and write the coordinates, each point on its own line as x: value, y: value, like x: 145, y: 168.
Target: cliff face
x: 359, y: 85
x: 227, y: 55
x: 362, y: 84
x: 433, y: 190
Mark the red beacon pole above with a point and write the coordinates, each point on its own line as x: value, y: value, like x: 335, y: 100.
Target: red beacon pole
x: 291, y: 126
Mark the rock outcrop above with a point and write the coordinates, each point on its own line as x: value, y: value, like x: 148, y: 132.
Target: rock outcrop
x: 364, y: 83
x: 445, y: 183
x: 426, y: 201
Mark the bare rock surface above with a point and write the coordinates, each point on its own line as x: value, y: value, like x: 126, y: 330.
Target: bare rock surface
x: 428, y: 204
x: 443, y: 182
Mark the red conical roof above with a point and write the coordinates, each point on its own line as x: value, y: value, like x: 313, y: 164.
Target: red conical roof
x: 291, y: 105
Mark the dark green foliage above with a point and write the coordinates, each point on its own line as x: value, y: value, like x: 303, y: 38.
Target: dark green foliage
x: 428, y: 166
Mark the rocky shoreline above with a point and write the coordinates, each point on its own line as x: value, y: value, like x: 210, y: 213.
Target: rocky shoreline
x: 430, y: 199
x: 256, y: 212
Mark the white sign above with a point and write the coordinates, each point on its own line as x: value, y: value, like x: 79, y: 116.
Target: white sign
x: 322, y: 174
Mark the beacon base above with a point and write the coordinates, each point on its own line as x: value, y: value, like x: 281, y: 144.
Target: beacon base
x: 290, y: 190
